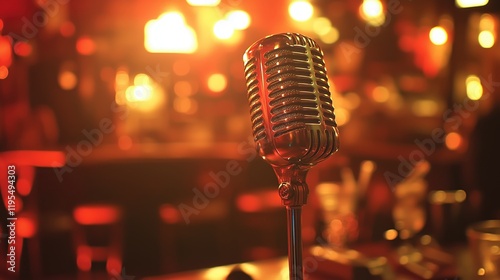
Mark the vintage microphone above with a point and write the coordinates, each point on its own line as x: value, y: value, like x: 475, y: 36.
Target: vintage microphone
x: 292, y: 118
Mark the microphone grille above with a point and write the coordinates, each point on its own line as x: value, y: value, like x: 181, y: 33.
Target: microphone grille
x: 287, y: 85
x: 256, y: 115
x: 297, y: 86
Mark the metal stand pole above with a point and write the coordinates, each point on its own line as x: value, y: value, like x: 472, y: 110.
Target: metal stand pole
x: 294, y: 242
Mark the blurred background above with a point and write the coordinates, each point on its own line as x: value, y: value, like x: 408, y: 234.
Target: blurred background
x: 131, y: 117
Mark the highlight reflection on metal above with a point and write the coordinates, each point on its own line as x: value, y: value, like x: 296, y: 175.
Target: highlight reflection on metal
x: 291, y: 109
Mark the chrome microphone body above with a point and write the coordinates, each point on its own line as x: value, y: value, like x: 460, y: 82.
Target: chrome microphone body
x: 291, y: 109
x: 293, y: 120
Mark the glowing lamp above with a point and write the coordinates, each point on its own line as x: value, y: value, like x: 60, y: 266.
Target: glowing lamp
x: 301, y: 10
x: 206, y: 3
x: 438, y: 35
x: 470, y: 3
x: 169, y: 34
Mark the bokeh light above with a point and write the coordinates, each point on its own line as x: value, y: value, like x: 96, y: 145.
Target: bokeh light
x: 223, y: 29
x: 183, y: 89
x: 22, y: 48
x: 380, y: 94
x: 207, y: 3
x: 342, y: 116
x: 470, y: 3
x: 300, y: 10
x: 159, y: 34
x: 391, y: 234
x: 67, y: 80
x: 425, y: 108
x: 145, y: 94
x: 474, y: 88
x: 239, y: 19
x: 85, y: 45
x: 181, y: 67
x: 321, y: 25
x: 125, y: 142
x: 438, y: 36
x: 4, y: 72
x: 217, y: 82
x: 331, y: 36
x: 486, y: 39
x: 453, y: 141
x: 372, y: 11
x: 67, y: 29
x: 486, y: 22
x: 185, y: 105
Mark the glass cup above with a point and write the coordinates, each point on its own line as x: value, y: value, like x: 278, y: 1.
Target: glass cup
x: 484, y: 244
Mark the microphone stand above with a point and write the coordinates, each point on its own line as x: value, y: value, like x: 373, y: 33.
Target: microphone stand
x: 293, y: 192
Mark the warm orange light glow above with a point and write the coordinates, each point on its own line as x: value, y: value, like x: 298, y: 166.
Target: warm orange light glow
x: 139, y: 93
x: 35, y: 158
x: 122, y: 81
x: 183, y: 89
x: 113, y: 265
x: 239, y: 19
x: 217, y: 82
x: 425, y: 107
x: 96, y: 215
x: 185, y: 105
x: 67, y: 80
x: 142, y: 79
x: 207, y: 3
x: 145, y: 95
x: 470, y: 3
x: 216, y: 272
x: 4, y: 72
x: 67, y: 29
x: 249, y: 203
x: 169, y: 34
x: 487, y: 22
x: 5, y: 51
x: 84, y: 258
x: 181, y: 67
x: 125, y: 142
x: 169, y: 214
x: 473, y: 87
x: 331, y: 36
x: 453, y: 141
x: 26, y: 227
x: 372, y: 11
x: 223, y: 29
x: 380, y: 94
x: 25, y: 179
x: 22, y: 48
x: 352, y: 100
x: 300, y: 10
x: 321, y: 25
x: 342, y: 116
x: 438, y: 35
x: 24, y: 186
x: 486, y: 39
x: 391, y: 234
x: 85, y: 45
